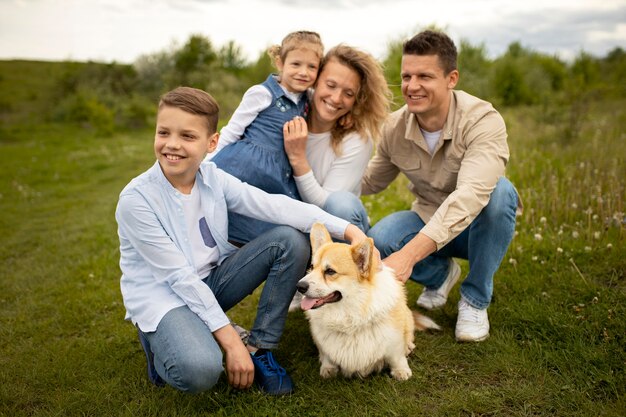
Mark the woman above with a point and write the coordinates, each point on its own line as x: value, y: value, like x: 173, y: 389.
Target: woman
x: 348, y: 106
x: 329, y: 153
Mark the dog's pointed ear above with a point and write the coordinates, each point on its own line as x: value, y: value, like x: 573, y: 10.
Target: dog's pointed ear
x: 362, y: 254
x: 319, y: 236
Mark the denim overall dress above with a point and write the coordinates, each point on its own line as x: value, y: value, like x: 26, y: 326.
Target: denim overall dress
x: 259, y: 158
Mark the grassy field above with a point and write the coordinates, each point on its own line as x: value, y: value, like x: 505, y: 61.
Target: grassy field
x: 557, y: 346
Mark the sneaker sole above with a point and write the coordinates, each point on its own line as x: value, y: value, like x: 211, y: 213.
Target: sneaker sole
x: 470, y: 340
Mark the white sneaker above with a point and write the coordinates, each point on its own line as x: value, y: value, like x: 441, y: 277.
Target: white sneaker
x: 431, y: 299
x: 295, y: 302
x: 472, y: 324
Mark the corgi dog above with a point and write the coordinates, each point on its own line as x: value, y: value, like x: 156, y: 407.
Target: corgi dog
x: 357, y: 310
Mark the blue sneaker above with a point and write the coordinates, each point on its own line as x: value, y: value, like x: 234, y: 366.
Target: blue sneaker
x: 153, y: 376
x: 269, y: 375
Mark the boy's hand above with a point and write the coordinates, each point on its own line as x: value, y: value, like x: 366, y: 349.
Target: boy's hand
x: 239, y: 366
x: 354, y: 235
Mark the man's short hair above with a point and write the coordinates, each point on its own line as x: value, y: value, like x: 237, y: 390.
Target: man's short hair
x: 430, y: 42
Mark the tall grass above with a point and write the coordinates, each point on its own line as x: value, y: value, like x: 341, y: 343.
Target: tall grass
x: 557, y: 341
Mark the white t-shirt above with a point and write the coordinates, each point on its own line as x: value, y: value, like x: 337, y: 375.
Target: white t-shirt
x: 431, y: 139
x: 330, y: 172
x: 203, y: 247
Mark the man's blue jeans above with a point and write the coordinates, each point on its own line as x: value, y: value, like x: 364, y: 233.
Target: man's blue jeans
x: 484, y: 243
x: 186, y: 355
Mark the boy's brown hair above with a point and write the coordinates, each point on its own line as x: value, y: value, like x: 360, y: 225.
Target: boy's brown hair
x: 194, y: 101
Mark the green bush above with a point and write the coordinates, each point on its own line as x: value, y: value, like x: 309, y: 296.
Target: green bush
x: 87, y: 109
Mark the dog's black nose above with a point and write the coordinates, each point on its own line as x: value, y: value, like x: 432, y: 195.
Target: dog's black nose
x: 302, y: 286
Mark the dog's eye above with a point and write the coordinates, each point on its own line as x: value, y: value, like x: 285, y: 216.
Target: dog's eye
x: 330, y: 271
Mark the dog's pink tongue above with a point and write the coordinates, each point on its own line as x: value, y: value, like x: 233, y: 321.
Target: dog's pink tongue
x: 307, y: 303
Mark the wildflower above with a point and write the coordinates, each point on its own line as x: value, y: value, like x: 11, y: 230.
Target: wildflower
x: 581, y: 165
x: 512, y: 261
x: 609, y: 246
x: 595, y: 217
x: 560, y: 232
x: 543, y: 220
x: 516, y: 232
x: 587, y: 248
x: 534, y: 258
x: 575, y: 234
x: 574, y: 206
x: 559, y: 250
x: 596, y: 235
x: 588, y: 211
x: 538, y: 237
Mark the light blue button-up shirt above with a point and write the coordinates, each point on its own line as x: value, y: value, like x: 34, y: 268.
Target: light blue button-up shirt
x: 158, y: 272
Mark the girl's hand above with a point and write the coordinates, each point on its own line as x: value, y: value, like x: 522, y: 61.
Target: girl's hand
x: 346, y: 121
x: 295, y: 133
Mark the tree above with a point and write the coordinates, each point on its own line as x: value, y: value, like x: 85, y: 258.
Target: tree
x: 475, y: 70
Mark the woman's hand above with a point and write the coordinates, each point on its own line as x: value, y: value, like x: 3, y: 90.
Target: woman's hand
x: 295, y: 133
x: 239, y: 366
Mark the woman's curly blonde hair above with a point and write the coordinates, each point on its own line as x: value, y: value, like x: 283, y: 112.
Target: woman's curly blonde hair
x: 373, y: 99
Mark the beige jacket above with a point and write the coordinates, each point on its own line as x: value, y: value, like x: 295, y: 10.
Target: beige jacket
x: 453, y: 185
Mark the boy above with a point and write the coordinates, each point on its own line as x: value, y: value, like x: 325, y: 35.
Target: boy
x: 179, y: 272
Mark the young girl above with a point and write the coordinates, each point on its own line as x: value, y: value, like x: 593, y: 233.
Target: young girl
x: 251, y: 145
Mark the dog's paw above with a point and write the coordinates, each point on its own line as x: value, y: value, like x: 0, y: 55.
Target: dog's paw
x: 409, y: 348
x: 328, y: 371
x: 401, y: 374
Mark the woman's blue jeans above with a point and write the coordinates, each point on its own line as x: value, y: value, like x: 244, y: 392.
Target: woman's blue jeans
x: 484, y: 244
x: 347, y: 206
x: 186, y: 355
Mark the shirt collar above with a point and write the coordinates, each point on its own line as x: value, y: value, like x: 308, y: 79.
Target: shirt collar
x: 413, y: 131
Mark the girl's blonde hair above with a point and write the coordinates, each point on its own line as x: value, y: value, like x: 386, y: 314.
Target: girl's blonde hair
x: 373, y: 99
x: 297, y: 40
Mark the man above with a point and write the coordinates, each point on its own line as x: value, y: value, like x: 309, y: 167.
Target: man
x: 452, y: 147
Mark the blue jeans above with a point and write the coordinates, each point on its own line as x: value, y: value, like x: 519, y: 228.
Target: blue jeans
x: 186, y: 355
x: 484, y: 243
x: 347, y: 206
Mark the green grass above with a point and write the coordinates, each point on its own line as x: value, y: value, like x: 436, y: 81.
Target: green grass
x: 557, y: 346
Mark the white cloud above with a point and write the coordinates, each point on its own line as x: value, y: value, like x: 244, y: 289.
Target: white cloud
x: 122, y: 30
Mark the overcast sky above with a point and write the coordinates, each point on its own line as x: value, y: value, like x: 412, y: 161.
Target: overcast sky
x: 122, y: 30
